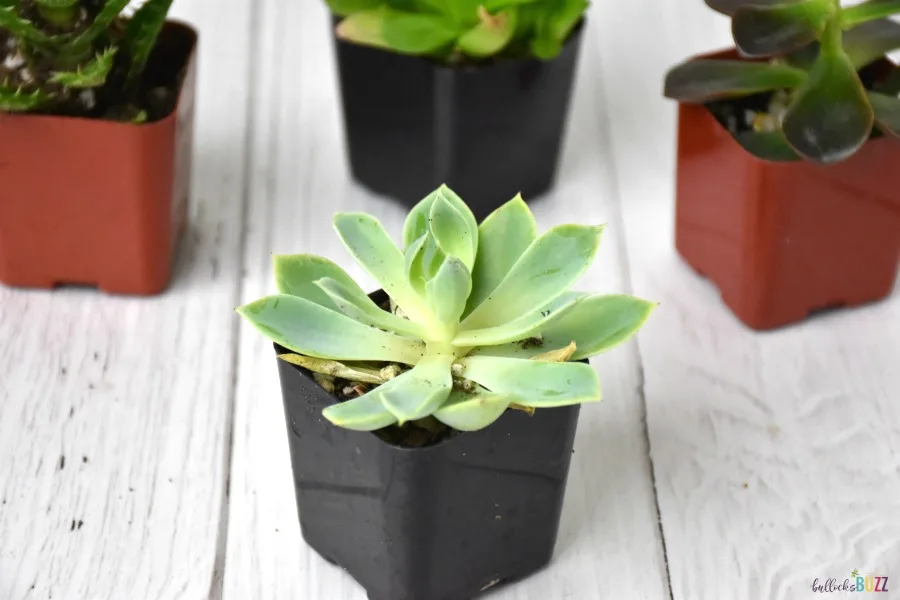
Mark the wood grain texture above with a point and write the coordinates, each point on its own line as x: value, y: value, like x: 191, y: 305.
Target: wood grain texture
x: 777, y: 455
x: 299, y: 179
x: 115, y: 412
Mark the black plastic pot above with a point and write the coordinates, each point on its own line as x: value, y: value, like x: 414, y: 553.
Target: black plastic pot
x: 489, y: 132
x: 444, y: 522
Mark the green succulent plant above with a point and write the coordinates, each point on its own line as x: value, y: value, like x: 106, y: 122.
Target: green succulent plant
x: 816, y: 64
x: 78, y: 57
x: 481, y: 317
x: 454, y: 29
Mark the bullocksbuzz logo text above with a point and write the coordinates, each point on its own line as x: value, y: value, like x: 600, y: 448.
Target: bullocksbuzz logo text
x: 857, y: 582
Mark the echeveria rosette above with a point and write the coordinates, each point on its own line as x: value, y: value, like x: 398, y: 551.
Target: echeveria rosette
x: 448, y: 29
x: 811, y: 51
x: 484, y: 317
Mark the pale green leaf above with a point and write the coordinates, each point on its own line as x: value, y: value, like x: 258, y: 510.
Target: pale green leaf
x: 416, y: 224
x: 503, y: 237
x: 296, y: 275
x: 347, y: 7
x: 307, y: 328
x: 534, y: 384
x: 550, y: 266
x: 354, y: 303
x: 374, y: 251
x: 472, y: 411
x: 490, y: 35
x: 596, y: 324
x: 419, y: 392
x: 521, y: 328
x: 452, y: 231
x: 333, y: 368
x: 448, y: 291
x: 365, y: 413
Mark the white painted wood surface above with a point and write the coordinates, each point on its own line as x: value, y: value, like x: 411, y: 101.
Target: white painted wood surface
x: 775, y: 457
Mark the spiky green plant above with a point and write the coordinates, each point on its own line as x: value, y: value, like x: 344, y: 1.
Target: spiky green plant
x: 77, y: 57
x: 482, y: 318
x: 812, y: 58
x: 453, y: 29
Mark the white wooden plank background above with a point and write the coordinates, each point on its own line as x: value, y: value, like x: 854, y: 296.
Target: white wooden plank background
x: 775, y: 457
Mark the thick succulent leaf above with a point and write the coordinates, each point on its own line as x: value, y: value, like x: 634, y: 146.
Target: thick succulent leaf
x: 504, y: 236
x: 110, y: 11
x: 547, y: 269
x: 767, y: 145
x: 141, y: 34
x: 354, y: 303
x: 535, y: 384
x: 729, y: 7
x: 780, y: 28
x: 307, y: 328
x: 423, y: 260
x: 91, y: 75
x: 521, y: 328
x: 296, y: 275
x: 454, y: 233
x: 472, y: 411
x: 887, y: 112
x: 366, y: 413
x: 372, y: 248
x: 364, y: 27
x: 400, y: 31
x: 596, y: 324
x: 489, y: 36
x: 448, y: 291
x: 702, y: 80
x: 416, y: 224
x: 868, y: 11
x: 18, y: 100
x: 871, y: 41
x: 830, y: 118
x: 346, y: 7
x: 21, y: 27
x: 333, y: 368
x: 419, y: 392
x: 62, y: 13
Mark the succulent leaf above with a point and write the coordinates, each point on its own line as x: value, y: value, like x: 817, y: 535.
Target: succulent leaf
x: 366, y: 413
x: 466, y: 411
x: 307, y: 328
x: 532, y: 383
x: 767, y: 145
x: 109, y: 13
x: 333, y: 368
x: 708, y: 79
x: 522, y: 328
x: 346, y: 7
x: 141, y: 34
x: 21, y: 27
x: 779, y: 28
x: 887, y: 112
x: 546, y: 270
x: 91, y: 75
x: 831, y: 117
x: 297, y: 274
x: 869, y: 10
x: 19, y: 100
x: 871, y: 41
x: 416, y: 224
x: 452, y: 232
x: 490, y: 35
x: 504, y: 236
x: 729, y: 7
x: 402, y: 32
x: 419, y: 392
x: 448, y: 291
x: 354, y: 303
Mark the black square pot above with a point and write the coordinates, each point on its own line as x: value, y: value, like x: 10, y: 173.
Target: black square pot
x: 488, y: 131
x: 444, y: 522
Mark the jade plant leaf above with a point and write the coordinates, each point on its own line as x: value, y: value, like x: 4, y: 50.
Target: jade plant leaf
x: 403, y: 32
x: 869, y: 10
x: 504, y: 235
x: 544, y: 272
x: 767, y: 145
x: 779, y: 28
x: 595, y: 324
x: 424, y: 389
x: 729, y: 7
x: 887, y: 112
x: 490, y: 35
x: 871, y: 41
x: 704, y: 80
x: 831, y: 117
x: 532, y: 383
x: 307, y: 328
x: 472, y: 411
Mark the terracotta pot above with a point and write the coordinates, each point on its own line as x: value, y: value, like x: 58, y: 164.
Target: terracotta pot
x: 783, y: 240
x: 488, y: 131
x: 94, y: 202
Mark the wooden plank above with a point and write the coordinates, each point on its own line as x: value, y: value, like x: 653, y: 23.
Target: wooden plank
x: 115, y: 412
x: 609, y: 531
x: 776, y: 454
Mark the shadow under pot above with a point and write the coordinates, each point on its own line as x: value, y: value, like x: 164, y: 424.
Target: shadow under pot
x: 489, y: 131
x: 446, y: 521
x: 109, y: 210
x: 782, y: 240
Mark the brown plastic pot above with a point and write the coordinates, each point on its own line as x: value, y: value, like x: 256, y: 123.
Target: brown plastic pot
x: 100, y: 203
x: 782, y: 240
